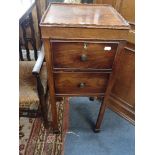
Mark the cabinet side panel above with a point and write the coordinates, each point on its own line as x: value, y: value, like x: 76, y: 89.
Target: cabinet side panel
x: 121, y: 97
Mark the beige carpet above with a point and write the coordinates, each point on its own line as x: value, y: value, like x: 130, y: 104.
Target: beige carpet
x: 34, y: 139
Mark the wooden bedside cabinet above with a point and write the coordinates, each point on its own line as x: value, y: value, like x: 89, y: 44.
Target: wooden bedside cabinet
x: 81, y: 42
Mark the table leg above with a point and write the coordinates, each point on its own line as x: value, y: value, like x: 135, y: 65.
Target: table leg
x: 54, y: 116
x: 49, y: 59
x: 100, y: 117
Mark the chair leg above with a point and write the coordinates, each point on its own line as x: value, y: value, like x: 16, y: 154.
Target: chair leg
x: 100, y: 117
x: 43, y: 105
x: 44, y: 112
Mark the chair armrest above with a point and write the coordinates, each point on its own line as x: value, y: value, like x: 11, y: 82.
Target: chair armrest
x: 39, y: 62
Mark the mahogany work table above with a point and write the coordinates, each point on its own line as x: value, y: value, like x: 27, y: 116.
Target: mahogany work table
x: 81, y: 42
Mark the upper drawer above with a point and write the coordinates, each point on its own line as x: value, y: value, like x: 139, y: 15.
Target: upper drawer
x: 84, y: 55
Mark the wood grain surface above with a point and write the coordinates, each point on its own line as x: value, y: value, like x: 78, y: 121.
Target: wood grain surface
x: 83, y: 43
x: 69, y: 83
x: 83, y: 15
x: 84, y: 55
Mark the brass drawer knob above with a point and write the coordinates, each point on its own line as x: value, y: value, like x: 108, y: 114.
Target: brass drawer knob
x: 82, y: 85
x: 84, y: 57
x: 85, y: 46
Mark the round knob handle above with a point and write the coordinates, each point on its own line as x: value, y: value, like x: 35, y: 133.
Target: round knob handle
x: 84, y: 57
x: 82, y: 85
x: 85, y: 46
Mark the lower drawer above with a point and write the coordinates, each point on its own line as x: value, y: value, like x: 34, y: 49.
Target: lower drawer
x: 80, y: 83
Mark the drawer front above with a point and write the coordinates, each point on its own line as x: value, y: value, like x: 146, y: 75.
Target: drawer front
x: 84, y: 55
x: 80, y: 83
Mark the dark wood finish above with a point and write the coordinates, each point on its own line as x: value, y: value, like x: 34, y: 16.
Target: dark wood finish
x: 125, y: 7
x: 83, y: 94
x: 49, y: 63
x: 74, y: 67
x: 84, y: 55
x: 80, y: 83
x: 41, y: 5
x: 20, y: 50
x: 100, y: 116
x: 127, y: 10
x: 42, y: 110
x: 43, y: 106
x: 110, y: 84
x: 27, y: 24
x: 83, y: 15
x: 27, y: 7
x: 84, y: 33
x: 121, y: 100
x: 114, y: 26
x: 122, y: 95
x: 110, y: 2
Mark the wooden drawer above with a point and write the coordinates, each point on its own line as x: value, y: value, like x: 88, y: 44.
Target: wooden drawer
x: 80, y: 83
x: 83, y: 55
